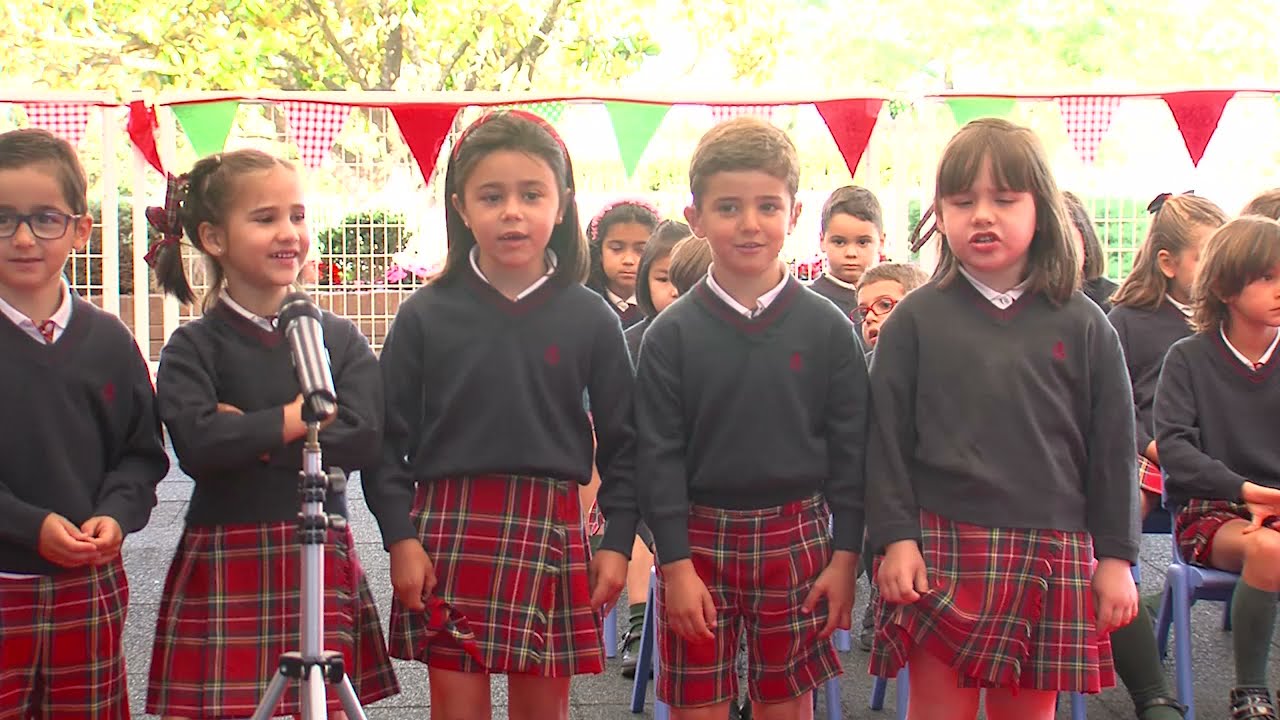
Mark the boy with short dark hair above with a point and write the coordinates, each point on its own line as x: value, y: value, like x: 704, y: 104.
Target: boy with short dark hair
x: 751, y: 412
x: 852, y: 226
x: 70, y: 373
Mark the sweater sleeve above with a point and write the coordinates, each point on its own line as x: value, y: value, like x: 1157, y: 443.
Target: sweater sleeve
x: 610, y: 386
x: 892, y: 510
x: 1142, y: 436
x: 660, y: 433
x: 128, y: 491
x: 20, y: 521
x: 846, y: 421
x: 389, y: 486
x: 353, y: 441
x: 207, y: 441
x: 1189, y: 472
x: 1111, y: 483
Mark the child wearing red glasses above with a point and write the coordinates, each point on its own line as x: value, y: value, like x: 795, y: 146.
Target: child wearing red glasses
x: 879, y: 290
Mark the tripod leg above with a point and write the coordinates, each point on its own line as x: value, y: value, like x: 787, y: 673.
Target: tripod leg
x: 314, y: 706
x: 350, y: 703
x: 267, y: 708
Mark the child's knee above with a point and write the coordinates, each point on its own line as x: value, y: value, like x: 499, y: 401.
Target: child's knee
x: 1262, y: 559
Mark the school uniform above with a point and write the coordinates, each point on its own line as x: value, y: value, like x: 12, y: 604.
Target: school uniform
x: 751, y: 424
x: 1215, y: 417
x: 1002, y: 445
x: 1145, y: 337
x: 232, y: 601
x: 81, y: 439
x: 487, y: 442
x: 843, y: 294
x: 633, y: 336
x: 1100, y: 290
x: 629, y: 312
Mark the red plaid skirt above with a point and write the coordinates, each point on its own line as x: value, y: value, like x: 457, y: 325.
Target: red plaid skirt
x: 758, y: 565
x: 1006, y: 608
x: 1149, y: 476
x: 510, y: 556
x: 231, y: 606
x: 1199, y: 520
x: 60, y: 650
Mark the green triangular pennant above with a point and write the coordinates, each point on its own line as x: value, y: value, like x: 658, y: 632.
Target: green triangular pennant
x: 964, y: 109
x: 634, y: 125
x: 207, y: 125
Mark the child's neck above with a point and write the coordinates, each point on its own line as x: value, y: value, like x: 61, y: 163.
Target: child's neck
x: 1002, y: 281
x: 511, y: 281
x: 261, y: 301
x: 39, y: 304
x: 1180, y: 297
x: 747, y: 290
x: 1251, y: 339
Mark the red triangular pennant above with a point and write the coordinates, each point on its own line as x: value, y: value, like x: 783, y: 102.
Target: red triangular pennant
x: 1087, y: 120
x: 851, y: 123
x: 142, y: 130
x: 313, y: 127
x: 1197, y: 113
x: 424, y: 128
x: 66, y: 120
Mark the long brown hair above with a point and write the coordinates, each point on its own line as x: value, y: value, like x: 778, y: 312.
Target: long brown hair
x: 523, y: 132
x: 203, y: 197
x: 1240, y: 252
x: 661, y: 243
x: 1173, y: 219
x: 1094, y: 260
x: 1018, y: 163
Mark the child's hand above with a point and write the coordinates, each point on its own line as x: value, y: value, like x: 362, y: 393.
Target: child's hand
x: 689, y: 607
x: 62, y: 543
x: 413, y: 577
x: 1152, y: 453
x: 837, y: 584
x: 902, y: 576
x: 607, y: 575
x: 105, y: 533
x: 1115, y: 594
x: 229, y: 408
x: 1264, y: 505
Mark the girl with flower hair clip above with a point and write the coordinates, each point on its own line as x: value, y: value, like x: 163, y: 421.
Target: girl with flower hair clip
x: 616, y: 238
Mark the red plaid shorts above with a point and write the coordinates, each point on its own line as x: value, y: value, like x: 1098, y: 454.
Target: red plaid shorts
x: 60, y: 650
x: 510, y: 556
x: 1007, y: 607
x: 231, y: 606
x: 758, y: 565
x: 1150, y: 478
x: 1199, y: 520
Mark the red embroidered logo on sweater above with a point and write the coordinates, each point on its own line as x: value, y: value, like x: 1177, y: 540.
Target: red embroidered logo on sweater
x: 552, y: 355
x: 797, y: 362
x: 1059, y: 351
x: 109, y: 393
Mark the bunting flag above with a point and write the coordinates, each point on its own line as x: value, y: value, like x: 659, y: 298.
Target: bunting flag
x: 313, y: 127
x: 1087, y: 120
x: 551, y: 110
x: 207, y: 125
x: 142, y: 131
x: 850, y: 123
x: 634, y: 125
x: 424, y: 128
x: 66, y: 120
x: 966, y: 109
x: 1197, y: 113
x: 720, y: 113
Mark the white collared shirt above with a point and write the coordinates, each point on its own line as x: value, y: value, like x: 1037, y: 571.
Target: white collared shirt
x: 1186, y: 310
x: 551, y: 270
x: 762, y: 303
x: 618, y: 302
x: 1001, y: 300
x: 267, y: 324
x: 60, y: 317
x: 841, y: 283
x: 1240, y: 356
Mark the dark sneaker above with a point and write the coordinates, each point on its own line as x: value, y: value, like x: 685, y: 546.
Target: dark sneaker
x: 1252, y: 703
x: 630, y: 652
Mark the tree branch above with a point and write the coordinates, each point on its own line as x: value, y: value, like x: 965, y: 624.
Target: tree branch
x: 392, y: 49
x: 304, y: 69
x: 536, y: 43
x: 453, y: 63
x: 349, y: 62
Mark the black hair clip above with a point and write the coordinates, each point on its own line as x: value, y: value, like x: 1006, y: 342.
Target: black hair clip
x: 1154, y: 206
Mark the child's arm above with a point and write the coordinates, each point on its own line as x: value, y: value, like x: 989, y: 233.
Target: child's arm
x: 389, y: 483
x: 353, y: 441
x: 1143, y: 439
x: 1188, y: 470
x: 660, y: 443
x: 610, y: 386
x: 848, y: 397
x: 892, y: 512
x: 1110, y: 481
x: 20, y: 521
x: 205, y: 439
x: 128, y: 491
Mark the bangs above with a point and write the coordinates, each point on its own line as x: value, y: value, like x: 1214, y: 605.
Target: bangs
x: 1011, y: 150
x: 1258, y: 255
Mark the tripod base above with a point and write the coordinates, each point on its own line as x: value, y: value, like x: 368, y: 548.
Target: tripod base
x: 313, y: 674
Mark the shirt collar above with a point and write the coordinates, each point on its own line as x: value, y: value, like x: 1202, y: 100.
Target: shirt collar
x: 268, y: 324
x: 618, y: 302
x: 762, y: 303
x: 59, y: 318
x: 1266, y: 356
x: 551, y: 260
x: 1001, y: 300
x: 841, y: 283
x: 1186, y: 310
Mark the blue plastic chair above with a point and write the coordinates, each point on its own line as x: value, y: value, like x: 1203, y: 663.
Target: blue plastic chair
x: 648, y: 660
x: 611, y: 633
x: 1184, y: 584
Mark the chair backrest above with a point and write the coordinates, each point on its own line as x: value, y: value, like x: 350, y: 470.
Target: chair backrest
x: 1171, y: 511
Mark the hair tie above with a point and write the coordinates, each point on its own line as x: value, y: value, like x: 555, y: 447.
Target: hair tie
x: 165, y: 219
x: 594, y: 227
x: 1159, y: 201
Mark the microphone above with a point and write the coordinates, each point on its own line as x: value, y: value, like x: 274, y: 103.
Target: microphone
x: 299, y: 319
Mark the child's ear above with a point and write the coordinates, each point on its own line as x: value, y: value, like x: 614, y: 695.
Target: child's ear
x: 1165, y: 261
x: 796, y: 207
x: 693, y: 216
x: 566, y: 198
x: 83, y: 230
x: 212, y: 239
x: 457, y: 205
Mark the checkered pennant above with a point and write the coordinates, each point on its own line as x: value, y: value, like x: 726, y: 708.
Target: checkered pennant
x: 66, y: 120
x: 313, y: 127
x: 720, y: 113
x: 1087, y: 120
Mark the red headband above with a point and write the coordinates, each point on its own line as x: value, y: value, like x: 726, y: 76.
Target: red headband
x: 536, y: 119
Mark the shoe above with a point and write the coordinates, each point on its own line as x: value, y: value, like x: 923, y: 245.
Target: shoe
x: 630, y: 653
x: 735, y: 712
x: 1252, y: 703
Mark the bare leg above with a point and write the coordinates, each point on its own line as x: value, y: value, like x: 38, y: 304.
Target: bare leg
x: 458, y: 695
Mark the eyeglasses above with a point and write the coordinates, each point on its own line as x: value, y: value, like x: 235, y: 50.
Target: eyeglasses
x: 44, y: 225
x: 878, y: 307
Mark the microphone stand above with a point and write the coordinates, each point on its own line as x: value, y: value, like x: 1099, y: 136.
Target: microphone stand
x: 312, y: 666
